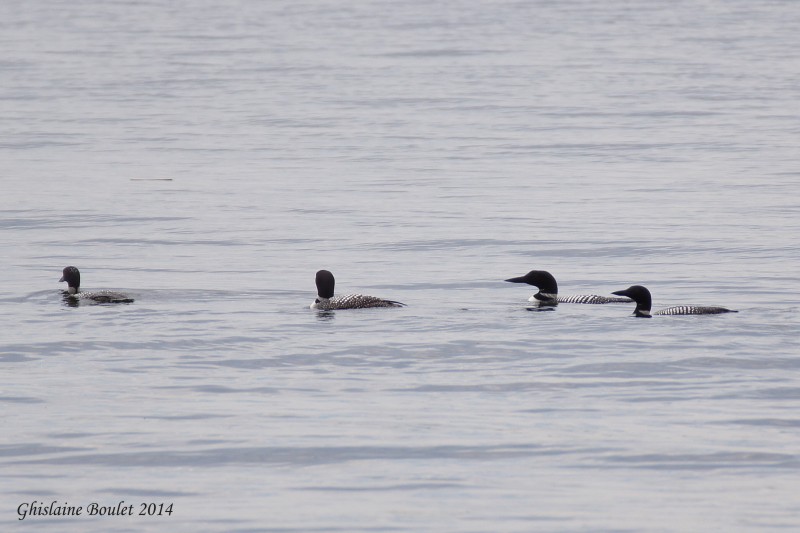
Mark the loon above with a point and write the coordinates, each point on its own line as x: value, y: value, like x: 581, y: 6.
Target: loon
x: 548, y: 291
x: 73, y: 278
x: 326, y: 302
x: 644, y: 301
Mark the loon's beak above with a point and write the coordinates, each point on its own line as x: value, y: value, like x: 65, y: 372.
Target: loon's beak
x: 62, y: 279
x: 520, y: 279
x: 621, y: 293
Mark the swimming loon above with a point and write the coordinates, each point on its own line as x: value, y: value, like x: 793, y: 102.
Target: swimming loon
x: 548, y: 291
x: 73, y: 278
x: 326, y: 302
x: 644, y: 301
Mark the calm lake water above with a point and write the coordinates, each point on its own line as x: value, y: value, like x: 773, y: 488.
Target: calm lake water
x: 209, y: 157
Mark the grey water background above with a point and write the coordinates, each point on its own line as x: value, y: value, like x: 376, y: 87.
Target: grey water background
x: 209, y: 157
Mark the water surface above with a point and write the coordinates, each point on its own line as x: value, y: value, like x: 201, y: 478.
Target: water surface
x: 208, y: 159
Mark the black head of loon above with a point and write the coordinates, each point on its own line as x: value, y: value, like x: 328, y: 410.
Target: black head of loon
x: 325, y: 300
x: 542, y: 280
x: 643, y: 300
x: 641, y: 296
x: 72, y: 276
x: 325, y: 284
